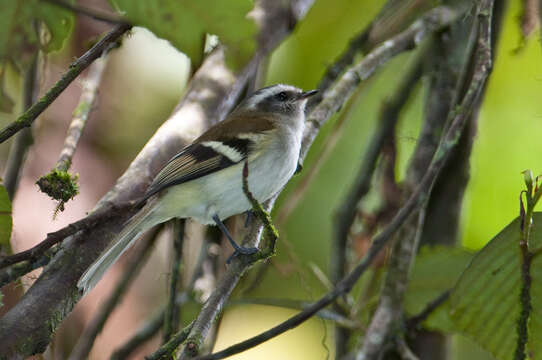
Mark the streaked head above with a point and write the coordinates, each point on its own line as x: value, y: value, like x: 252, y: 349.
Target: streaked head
x: 278, y: 99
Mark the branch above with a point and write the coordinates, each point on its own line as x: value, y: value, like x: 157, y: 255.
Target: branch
x: 449, y: 140
x: 86, y: 340
x: 58, y: 183
x: 98, y: 218
x: 415, y: 320
x: 395, y: 13
x: 171, y: 317
x: 172, y: 344
x: 334, y: 98
x: 14, y: 272
x: 28, y: 117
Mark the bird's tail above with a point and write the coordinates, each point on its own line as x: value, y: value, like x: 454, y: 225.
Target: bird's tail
x: 139, y: 223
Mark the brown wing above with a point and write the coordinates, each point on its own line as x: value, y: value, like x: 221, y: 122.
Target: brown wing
x: 238, y: 124
x: 200, y: 158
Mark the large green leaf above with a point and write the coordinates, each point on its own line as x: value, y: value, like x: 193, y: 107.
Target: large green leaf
x: 186, y: 22
x: 5, y: 218
x: 435, y: 271
x: 485, y: 303
x: 18, y: 36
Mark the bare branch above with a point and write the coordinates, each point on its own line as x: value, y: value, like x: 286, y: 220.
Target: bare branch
x: 335, y: 96
x: 97, y: 218
x: 171, y: 317
x: 172, y: 344
x: 28, y: 117
x: 14, y: 272
x: 417, y: 319
x: 392, y: 18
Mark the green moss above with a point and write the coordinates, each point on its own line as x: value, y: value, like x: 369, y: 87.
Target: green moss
x: 59, y: 185
x: 82, y: 108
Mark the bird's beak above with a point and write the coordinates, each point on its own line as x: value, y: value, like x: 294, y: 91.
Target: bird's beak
x: 307, y: 94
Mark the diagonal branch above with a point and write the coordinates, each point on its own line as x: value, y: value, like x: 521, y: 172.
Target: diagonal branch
x: 28, y: 117
x: 58, y: 183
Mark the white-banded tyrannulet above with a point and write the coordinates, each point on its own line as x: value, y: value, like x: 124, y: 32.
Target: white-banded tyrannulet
x: 204, y: 180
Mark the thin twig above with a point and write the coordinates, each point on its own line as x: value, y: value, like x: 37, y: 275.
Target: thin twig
x: 143, y: 334
x: 335, y: 97
x: 19, y: 147
x: 86, y: 340
x: 172, y: 344
x: 338, y: 319
x: 81, y: 113
x: 97, y: 218
x: 28, y: 117
x: 397, y: 13
x: 92, y: 13
x: 414, y: 321
x: 58, y: 183
x: 14, y: 272
x: 483, y: 65
x: 171, y: 317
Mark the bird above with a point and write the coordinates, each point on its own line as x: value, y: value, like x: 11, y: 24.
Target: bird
x: 204, y: 180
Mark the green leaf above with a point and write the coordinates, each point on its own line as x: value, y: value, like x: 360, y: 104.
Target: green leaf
x: 485, y: 303
x: 5, y: 218
x: 18, y: 36
x: 435, y: 271
x: 186, y: 22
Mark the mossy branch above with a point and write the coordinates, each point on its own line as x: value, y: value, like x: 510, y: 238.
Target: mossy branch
x: 532, y: 195
x: 59, y: 184
x: 270, y: 234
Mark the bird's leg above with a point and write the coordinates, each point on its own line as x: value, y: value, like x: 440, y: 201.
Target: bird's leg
x: 238, y: 249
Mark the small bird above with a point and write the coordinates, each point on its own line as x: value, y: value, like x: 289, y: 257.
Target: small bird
x: 204, y: 180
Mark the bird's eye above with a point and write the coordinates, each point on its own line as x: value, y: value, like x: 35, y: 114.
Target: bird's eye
x: 282, y: 96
